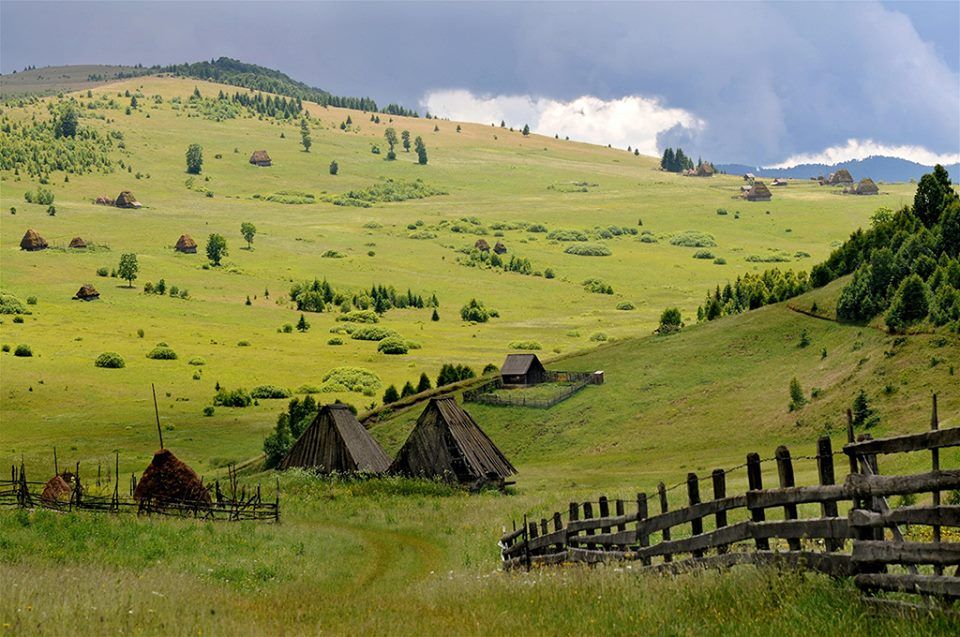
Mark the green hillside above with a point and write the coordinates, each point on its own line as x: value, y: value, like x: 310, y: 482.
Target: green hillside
x: 393, y: 555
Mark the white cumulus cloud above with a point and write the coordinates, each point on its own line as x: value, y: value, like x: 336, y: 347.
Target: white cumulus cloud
x: 633, y: 120
x: 861, y: 149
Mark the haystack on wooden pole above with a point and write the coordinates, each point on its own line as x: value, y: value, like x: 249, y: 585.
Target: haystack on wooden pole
x: 168, y: 480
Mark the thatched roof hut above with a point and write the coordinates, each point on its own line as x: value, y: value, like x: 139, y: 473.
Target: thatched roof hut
x: 186, y: 244
x: 57, y: 489
x: 842, y: 176
x: 447, y: 443
x: 32, y: 241
x: 336, y: 442
x: 705, y: 169
x: 866, y: 187
x: 758, y: 192
x: 500, y: 248
x: 126, y: 200
x: 260, y: 158
x: 167, y: 480
x: 78, y: 243
x: 482, y: 245
x: 87, y: 293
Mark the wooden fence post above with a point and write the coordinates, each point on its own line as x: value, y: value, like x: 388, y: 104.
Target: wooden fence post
x: 643, y: 538
x: 935, y: 466
x: 620, y: 513
x: 693, y: 496
x: 785, y: 473
x: 755, y: 481
x: 558, y: 526
x: 604, y: 506
x: 719, y: 478
x: 826, y: 475
x: 664, y: 507
x: 588, y: 515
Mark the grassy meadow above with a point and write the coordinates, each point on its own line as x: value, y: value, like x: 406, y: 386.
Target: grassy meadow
x: 406, y: 557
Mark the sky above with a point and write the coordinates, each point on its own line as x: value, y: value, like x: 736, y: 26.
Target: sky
x: 770, y: 84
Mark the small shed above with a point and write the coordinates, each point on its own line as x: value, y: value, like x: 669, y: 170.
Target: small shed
x: 840, y: 177
x: 32, y: 241
x: 336, y: 442
x: 78, y: 243
x: 126, y: 200
x: 500, y: 248
x: 482, y: 245
x: 447, y: 443
x: 87, y: 293
x: 186, y: 244
x: 759, y: 192
x: 260, y: 158
x: 522, y: 370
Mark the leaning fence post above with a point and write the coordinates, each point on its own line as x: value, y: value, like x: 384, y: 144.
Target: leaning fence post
x: 621, y: 526
x: 693, y: 496
x: 935, y: 466
x: 643, y: 538
x: 604, y: 506
x: 785, y: 473
x: 719, y: 478
x: 828, y: 508
x: 755, y: 481
x: 557, y: 527
x: 664, y: 507
x: 588, y: 515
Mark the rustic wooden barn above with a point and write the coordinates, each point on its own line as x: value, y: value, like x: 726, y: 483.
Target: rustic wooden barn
x: 87, y: 293
x: 186, y: 244
x: 705, y: 169
x: 759, y: 192
x: 866, y: 187
x: 447, y: 443
x: 126, y: 200
x: 336, y: 442
x: 522, y: 370
x: 840, y: 177
x: 32, y: 241
x: 260, y: 158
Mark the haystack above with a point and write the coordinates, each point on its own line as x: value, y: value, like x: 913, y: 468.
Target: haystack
x: 447, y: 443
x: 842, y: 176
x: 126, y: 200
x: 57, y: 489
x: 77, y: 242
x: 759, y: 192
x: 32, y: 241
x: 336, y: 442
x: 87, y: 293
x: 260, y: 158
x: 169, y: 481
x: 186, y: 244
x: 705, y: 169
x: 867, y: 187
x: 482, y: 245
x: 500, y: 248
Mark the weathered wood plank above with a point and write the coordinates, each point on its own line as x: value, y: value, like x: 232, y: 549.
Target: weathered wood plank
x: 688, y: 514
x: 834, y: 528
x: 605, y: 539
x: 909, y: 583
x: 593, y: 524
x: 864, y: 486
x: 719, y: 537
x: 939, y: 553
x: 796, y: 495
x: 946, y: 515
x: 926, y: 440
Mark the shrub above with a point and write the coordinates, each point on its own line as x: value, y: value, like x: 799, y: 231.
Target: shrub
x: 336, y: 340
x: 567, y: 235
x: 670, y: 320
x: 103, y: 272
x: 598, y: 337
x: 536, y: 227
x: 422, y: 234
x: 10, y: 304
x: 390, y: 395
x: 5, y: 347
x: 589, y: 250
x: 450, y: 373
x: 23, y: 350
x: 197, y: 361
x: 31, y: 300
x: 721, y: 211
x: 109, y: 360
x: 597, y: 286
x: 332, y: 254
x: 648, y: 238
x: 372, y: 333
x: 355, y: 379
x: 140, y: 332
x: 549, y: 273
x: 392, y: 345
x: 208, y: 411
x: 797, y: 399
x: 910, y: 303
x: 162, y: 353
x: 243, y: 343
x: 703, y: 254
x: 693, y: 239
x: 360, y: 316
x: 234, y: 398
x: 720, y: 261
x: 269, y: 392
x: 525, y: 345
x: 287, y: 328
x: 18, y: 319
x: 477, y: 312
x: 863, y: 415
x: 626, y: 306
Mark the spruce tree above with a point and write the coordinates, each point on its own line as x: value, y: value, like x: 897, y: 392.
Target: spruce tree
x: 424, y: 383
x: 305, y: 135
x: 390, y: 395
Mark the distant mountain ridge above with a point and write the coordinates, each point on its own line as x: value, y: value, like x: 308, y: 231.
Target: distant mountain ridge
x: 878, y: 168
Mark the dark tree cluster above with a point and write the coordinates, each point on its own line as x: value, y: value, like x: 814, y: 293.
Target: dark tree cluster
x: 675, y: 161
x: 317, y: 296
x: 751, y: 291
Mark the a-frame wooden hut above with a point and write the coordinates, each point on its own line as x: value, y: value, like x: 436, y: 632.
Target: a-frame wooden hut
x: 447, y: 443
x: 336, y: 442
x: 522, y: 370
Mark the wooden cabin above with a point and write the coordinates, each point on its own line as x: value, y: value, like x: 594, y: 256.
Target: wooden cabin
x: 336, y: 442
x: 522, y: 370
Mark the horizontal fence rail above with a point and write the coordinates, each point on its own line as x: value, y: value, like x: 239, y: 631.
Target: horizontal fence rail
x: 484, y: 393
x: 806, y: 530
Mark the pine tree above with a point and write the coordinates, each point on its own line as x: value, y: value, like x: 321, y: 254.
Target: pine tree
x: 407, y: 390
x: 302, y: 324
x: 405, y: 136
x: 421, y: 151
x: 424, y: 383
x: 526, y: 130
x: 334, y: 167
x: 435, y: 316
x: 390, y: 395
x: 305, y: 135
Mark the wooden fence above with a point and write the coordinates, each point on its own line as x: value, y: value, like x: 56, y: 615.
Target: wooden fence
x: 234, y: 504
x: 808, y: 529
x: 483, y: 393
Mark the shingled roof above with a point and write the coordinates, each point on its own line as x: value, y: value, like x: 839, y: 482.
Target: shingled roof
x: 517, y: 364
x: 336, y: 441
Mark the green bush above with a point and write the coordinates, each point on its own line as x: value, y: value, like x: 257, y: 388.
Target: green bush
x: 392, y: 345
x: 372, y: 333
x: 23, y: 350
x: 648, y: 238
x: 208, y: 411
x: 360, y: 316
x: 703, y: 254
x: 5, y: 347
x: 422, y: 234
x: 450, y: 373
x: 18, y: 319
x: 589, y: 250
x: 336, y: 340
x: 269, y: 392
x: 162, y: 353
x: 693, y: 239
x: 109, y: 360
x: 234, y: 398
x: 567, y: 235
x: 31, y: 300
x: 720, y: 261
x: 670, y: 320
x: 197, y: 361
x: 626, y: 306
x: 598, y: 337
x: 354, y: 379
x: 332, y: 254
x: 910, y: 303
x: 525, y: 345
x: 291, y: 197
x: 386, y: 191
x: 536, y: 228
x: 9, y: 304
x: 597, y: 286
x: 477, y: 312
x: 103, y: 272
